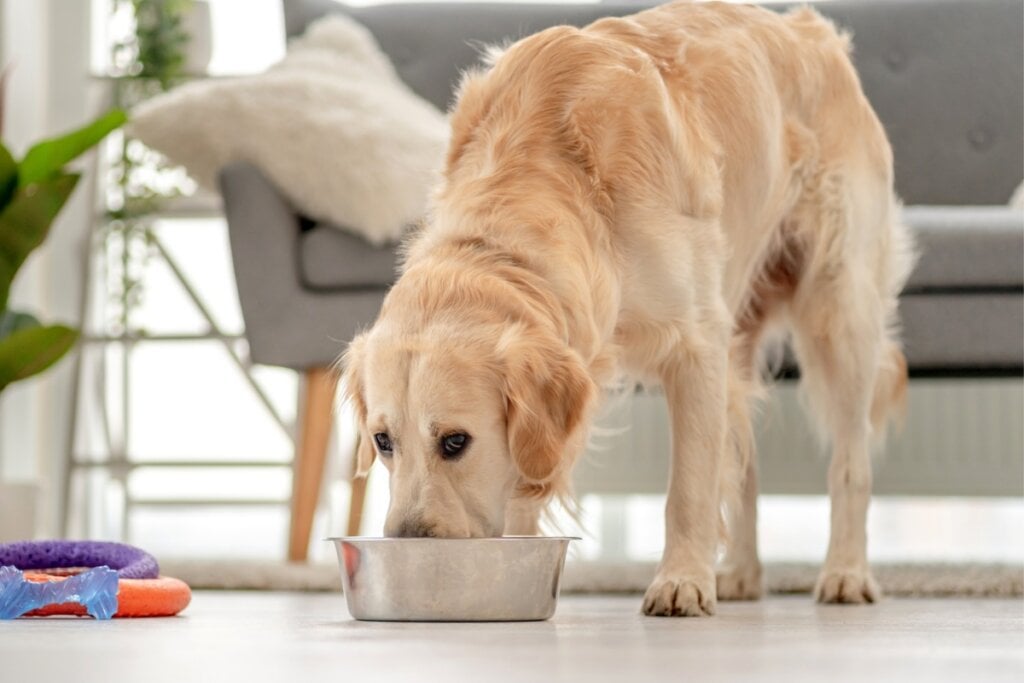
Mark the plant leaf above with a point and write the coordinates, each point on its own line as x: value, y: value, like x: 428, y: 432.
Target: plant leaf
x: 31, y: 350
x: 25, y: 223
x: 48, y: 157
x: 8, y: 176
x: 12, y: 321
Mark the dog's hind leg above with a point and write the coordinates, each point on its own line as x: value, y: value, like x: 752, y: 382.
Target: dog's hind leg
x: 838, y: 344
x: 739, y: 575
x: 850, y: 364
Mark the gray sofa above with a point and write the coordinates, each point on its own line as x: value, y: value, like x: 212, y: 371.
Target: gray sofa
x: 945, y: 77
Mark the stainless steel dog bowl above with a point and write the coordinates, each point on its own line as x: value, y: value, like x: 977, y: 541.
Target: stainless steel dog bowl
x: 515, y: 578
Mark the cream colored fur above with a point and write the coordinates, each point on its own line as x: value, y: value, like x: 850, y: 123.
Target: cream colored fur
x: 653, y: 196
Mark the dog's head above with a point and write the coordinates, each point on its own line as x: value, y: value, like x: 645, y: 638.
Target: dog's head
x: 464, y: 422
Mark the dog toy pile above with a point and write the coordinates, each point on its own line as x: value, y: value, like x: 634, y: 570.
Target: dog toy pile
x: 94, y: 578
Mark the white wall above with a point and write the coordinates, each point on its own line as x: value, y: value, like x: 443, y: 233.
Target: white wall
x: 49, y: 90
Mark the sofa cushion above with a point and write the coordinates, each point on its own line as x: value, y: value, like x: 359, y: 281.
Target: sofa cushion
x: 963, y: 331
x: 962, y: 248
x: 332, y: 125
x: 967, y: 247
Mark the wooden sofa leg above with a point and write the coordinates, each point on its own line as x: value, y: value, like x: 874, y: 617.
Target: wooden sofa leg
x: 315, y: 423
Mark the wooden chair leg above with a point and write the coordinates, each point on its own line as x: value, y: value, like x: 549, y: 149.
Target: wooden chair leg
x: 315, y: 424
x: 357, y: 500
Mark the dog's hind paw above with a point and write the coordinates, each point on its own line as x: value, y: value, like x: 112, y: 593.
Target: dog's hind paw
x: 672, y: 595
x: 846, y: 586
x: 739, y: 583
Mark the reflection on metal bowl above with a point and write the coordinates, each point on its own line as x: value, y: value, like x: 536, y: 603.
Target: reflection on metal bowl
x: 514, y: 578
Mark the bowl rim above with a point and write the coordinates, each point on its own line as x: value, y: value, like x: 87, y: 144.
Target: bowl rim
x: 492, y: 539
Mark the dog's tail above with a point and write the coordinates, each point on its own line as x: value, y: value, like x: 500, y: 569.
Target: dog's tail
x: 889, y: 404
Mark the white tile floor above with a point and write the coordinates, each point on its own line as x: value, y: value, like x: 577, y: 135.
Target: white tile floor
x: 309, y: 637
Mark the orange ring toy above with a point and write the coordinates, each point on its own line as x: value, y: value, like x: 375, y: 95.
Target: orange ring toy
x: 160, y: 597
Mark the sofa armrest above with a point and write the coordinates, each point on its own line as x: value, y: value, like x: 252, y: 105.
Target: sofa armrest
x: 264, y: 231
x: 286, y: 323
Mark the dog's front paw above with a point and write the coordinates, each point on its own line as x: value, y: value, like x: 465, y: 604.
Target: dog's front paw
x: 679, y: 595
x: 739, y: 582
x: 846, y: 586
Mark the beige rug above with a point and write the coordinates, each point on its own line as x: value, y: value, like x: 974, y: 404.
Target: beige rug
x: 906, y: 580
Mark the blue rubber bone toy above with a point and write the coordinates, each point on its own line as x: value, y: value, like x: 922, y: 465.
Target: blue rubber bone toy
x: 95, y: 589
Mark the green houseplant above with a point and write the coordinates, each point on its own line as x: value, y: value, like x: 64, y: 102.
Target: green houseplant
x: 148, y: 60
x: 32, y: 193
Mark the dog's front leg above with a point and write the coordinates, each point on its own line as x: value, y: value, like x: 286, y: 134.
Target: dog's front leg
x: 522, y: 516
x: 694, y: 379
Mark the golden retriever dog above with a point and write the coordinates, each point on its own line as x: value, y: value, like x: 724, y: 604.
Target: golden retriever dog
x: 650, y: 197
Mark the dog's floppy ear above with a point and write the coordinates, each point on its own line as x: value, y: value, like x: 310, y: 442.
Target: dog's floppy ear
x: 547, y: 393
x: 365, y: 453
x: 352, y: 362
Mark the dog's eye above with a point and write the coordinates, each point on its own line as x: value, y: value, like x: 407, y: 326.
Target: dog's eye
x: 453, y: 444
x: 383, y: 443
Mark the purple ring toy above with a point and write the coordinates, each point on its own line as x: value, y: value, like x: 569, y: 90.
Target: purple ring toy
x: 129, y: 561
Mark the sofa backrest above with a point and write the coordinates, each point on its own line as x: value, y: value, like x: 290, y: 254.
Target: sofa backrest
x: 945, y: 76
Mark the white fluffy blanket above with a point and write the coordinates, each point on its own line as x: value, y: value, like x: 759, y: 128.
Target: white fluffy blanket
x: 332, y: 125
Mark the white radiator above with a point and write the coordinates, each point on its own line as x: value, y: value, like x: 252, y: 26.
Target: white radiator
x: 961, y: 437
